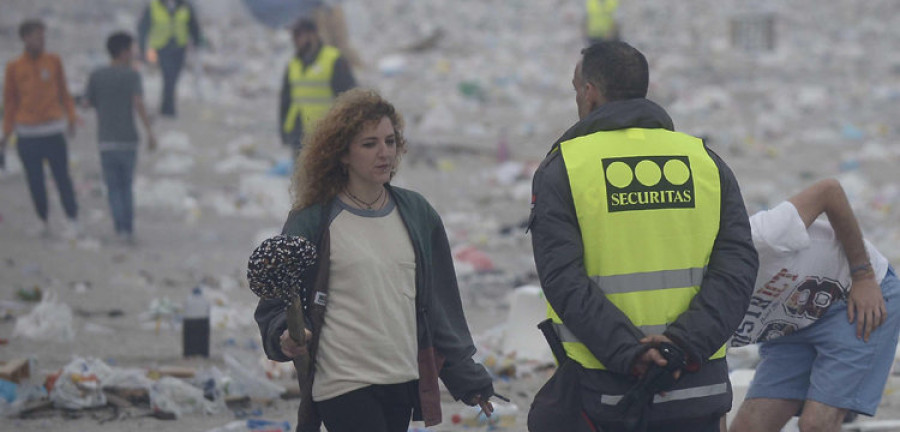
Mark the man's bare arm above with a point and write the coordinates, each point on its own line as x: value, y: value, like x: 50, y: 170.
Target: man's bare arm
x: 145, y: 120
x: 865, y: 301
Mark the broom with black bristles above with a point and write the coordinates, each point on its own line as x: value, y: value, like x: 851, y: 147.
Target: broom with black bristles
x: 274, y: 271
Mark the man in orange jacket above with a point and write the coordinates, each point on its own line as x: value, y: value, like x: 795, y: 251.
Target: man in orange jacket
x: 39, y: 110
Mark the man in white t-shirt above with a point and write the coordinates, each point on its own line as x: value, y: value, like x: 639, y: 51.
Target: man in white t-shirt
x: 825, y: 310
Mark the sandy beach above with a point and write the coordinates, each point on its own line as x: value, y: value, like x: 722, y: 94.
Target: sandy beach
x: 483, y: 105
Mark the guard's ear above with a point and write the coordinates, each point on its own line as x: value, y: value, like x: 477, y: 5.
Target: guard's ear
x: 592, y: 96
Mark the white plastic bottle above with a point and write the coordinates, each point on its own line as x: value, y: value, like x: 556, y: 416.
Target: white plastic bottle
x: 195, y: 328
x: 504, y: 415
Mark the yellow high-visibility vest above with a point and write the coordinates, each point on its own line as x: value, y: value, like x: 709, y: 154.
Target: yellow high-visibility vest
x: 601, y: 22
x: 165, y: 26
x: 311, y: 94
x: 647, y: 203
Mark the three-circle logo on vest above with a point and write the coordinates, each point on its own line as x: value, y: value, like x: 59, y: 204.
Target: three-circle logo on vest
x: 648, y: 183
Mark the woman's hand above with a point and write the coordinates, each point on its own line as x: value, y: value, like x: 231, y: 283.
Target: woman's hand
x: 482, y: 402
x: 291, y: 348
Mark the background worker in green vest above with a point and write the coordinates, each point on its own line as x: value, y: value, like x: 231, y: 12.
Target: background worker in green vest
x: 313, y: 78
x: 168, y: 27
x: 641, y: 239
x: 600, y: 21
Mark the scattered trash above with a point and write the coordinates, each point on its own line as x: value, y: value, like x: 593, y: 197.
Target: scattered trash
x: 250, y: 381
x: 195, y: 327
x: 475, y: 258
x: 254, y: 425
x: 8, y: 390
x: 521, y: 335
x: 17, y: 370
x: 49, y: 320
x: 851, y: 132
x: 282, y: 168
x: 32, y: 294
x: 392, y: 65
x: 504, y: 416
x: 174, y: 396
x: 79, y: 385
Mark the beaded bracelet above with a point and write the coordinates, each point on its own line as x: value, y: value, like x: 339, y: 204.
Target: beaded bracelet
x: 861, y: 267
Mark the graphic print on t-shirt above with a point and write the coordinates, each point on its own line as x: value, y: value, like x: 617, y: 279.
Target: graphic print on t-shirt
x: 812, y: 297
x: 784, y: 305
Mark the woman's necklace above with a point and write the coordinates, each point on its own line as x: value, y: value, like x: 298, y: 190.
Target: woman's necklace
x: 360, y: 202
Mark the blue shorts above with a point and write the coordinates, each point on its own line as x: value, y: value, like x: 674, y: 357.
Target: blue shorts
x: 825, y: 362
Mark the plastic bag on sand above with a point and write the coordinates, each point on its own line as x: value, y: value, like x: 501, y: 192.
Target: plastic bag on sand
x: 251, y: 382
x: 127, y: 378
x: 175, y: 396
x: 80, y: 384
x: 49, y: 320
x: 24, y: 393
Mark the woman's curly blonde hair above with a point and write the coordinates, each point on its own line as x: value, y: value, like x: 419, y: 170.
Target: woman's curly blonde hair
x: 319, y: 174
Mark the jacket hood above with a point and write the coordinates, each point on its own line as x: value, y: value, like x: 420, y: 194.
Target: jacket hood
x: 641, y: 113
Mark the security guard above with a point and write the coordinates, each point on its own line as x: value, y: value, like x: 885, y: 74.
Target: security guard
x: 640, y: 238
x: 314, y: 77
x: 600, y: 23
x: 167, y: 26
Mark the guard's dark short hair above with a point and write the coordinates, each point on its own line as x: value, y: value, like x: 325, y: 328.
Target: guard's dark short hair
x: 304, y: 25
x: 29, y: 26
x: 617, y: 69
x: 118, y: 42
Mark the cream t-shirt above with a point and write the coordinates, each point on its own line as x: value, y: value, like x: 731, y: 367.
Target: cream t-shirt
x: 369, y: 334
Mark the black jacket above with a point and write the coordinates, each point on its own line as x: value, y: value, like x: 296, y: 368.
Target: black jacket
x: 713, y: 313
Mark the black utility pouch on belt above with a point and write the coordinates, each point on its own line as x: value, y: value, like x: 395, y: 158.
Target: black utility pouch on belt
x: 557, y: 405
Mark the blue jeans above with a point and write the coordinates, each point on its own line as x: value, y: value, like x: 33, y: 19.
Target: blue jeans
x: 34, y: 151
x: 118, y: 173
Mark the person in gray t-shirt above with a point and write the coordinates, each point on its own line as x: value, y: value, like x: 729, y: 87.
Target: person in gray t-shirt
x: 115, y: 91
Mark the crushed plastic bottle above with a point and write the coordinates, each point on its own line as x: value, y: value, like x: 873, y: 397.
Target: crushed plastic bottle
x: 471, y: 416
x: 254, y: 425
x: 503, y: 417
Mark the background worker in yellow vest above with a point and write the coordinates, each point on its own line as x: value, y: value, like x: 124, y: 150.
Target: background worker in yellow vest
x: 313, y: 78
x: 641, y: 239
x: 600, y: 21
x: 168, y: 27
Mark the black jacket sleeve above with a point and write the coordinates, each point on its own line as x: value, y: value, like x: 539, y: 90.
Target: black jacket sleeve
x: 142, y: 30
x: 725, y: 292
x: 194, y: 27
x: 342, y: 79
x: 284, y: 102
x: 272, y: 322
x: 559, y: 256
x: 452, y: 340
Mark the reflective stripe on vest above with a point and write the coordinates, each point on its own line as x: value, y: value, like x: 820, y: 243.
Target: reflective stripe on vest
x: 311, y: 94
x: 647, y: 203
x: 675, y: 395
x: 601, y: 22
x: 163, y: 26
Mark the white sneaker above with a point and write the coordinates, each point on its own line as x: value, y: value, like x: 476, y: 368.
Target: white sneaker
x: 72, y: 229
x: 126, y: 239
x: 41, y: 229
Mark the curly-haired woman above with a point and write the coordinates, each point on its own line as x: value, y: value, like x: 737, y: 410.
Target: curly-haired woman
x: 384, y: 317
